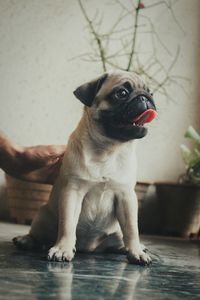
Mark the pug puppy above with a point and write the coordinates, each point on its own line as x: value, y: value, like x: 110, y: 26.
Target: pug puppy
x: 93, y: 206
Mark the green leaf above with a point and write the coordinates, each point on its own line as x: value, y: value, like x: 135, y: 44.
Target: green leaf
x: 194, y: 162
x: 186, y: 153
x: 192, y: 134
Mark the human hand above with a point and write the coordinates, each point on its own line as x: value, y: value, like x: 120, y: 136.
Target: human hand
x: 37, y: 163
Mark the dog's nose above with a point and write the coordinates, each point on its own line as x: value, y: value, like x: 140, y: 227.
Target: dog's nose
x: 143, y: 98
x: 147, y: 102
x: 144, y: 101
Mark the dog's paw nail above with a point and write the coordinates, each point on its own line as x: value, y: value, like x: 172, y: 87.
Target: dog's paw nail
x: 141, y: 258
x: 59, y: 254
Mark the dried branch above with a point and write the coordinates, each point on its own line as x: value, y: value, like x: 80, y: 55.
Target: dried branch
x: 158, y: 75
x: 95, y: 34
x: 169, y: 6
x: 134, y: 36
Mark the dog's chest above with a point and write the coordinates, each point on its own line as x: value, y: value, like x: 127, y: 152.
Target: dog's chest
x: 97, y: 213
x: 100, y: 171
x: 119, y: 167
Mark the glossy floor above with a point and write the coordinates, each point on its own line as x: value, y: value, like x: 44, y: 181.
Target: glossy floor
x: 174, y: 274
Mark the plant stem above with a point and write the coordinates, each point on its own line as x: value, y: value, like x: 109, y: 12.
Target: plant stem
x: 134, y: 36
x: 96, y: 36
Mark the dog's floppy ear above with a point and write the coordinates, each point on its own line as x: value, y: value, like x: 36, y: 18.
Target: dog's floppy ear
x: 87, y: 92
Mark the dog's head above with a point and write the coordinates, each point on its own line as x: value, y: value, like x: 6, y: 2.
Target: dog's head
x: 120, y: 103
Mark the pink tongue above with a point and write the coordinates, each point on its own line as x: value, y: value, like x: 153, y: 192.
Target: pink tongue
x: 146, y: 117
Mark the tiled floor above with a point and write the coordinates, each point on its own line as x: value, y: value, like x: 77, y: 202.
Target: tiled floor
x: 174, y: 274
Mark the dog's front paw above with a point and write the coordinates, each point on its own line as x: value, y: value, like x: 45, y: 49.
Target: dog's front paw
x: 60, y: 253
x: 139, y: 257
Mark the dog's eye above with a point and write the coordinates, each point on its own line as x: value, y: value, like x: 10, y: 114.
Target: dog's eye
x: 121, y: 94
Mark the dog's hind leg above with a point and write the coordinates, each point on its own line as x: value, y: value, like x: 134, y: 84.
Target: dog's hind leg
x: 25, y: 242
x: 42, y: 234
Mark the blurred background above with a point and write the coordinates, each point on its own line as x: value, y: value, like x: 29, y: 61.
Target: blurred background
x: 48, y: 48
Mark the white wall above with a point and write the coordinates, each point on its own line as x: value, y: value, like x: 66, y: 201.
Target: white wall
x: 37, y: 77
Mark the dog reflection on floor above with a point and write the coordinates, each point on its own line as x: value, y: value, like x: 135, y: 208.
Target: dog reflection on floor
x: 117, y: 281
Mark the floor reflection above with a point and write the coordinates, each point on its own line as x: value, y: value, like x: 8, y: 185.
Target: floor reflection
x: 117, y: 281
x: 174, y: 274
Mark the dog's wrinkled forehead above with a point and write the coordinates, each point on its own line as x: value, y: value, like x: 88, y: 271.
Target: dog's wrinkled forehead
x: 115, y: 79
x: 101, y: 86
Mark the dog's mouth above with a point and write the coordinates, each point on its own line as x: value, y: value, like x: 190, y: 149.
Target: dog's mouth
x: 126, y: 120
x: 146, y: 116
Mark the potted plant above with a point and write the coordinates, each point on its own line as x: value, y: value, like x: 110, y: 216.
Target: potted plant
x: 179, y: 204
x: 25, y: 199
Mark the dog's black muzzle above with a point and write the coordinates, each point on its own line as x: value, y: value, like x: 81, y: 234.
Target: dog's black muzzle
x: 118, y: 121
x: 125, y: 111
x: 137, y: 104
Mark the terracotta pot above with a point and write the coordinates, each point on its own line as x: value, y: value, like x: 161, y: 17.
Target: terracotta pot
x: 149, y: 213
x: 179, y: 207
x: 25, y: 199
